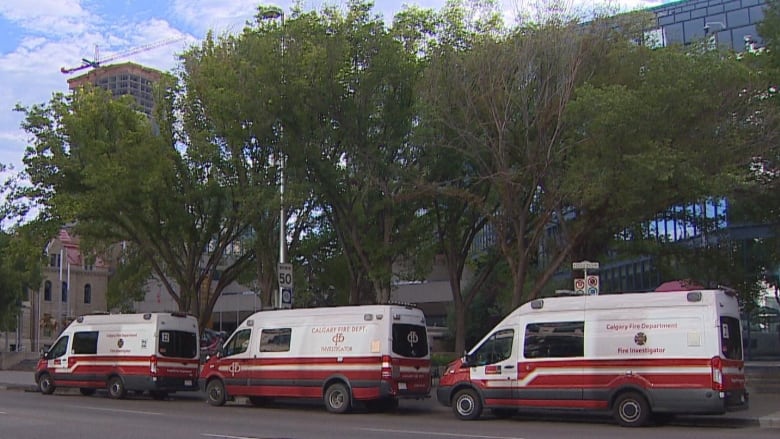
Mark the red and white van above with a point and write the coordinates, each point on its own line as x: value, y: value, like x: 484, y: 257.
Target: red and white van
x: 155, y: 352
x: 635, y: 355
x: 374, y: 354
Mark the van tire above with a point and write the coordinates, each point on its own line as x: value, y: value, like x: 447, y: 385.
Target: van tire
x: 87, y: 391
x: 215, y: 393
x: 116, y: 388
x: 337, y: 398
x: 467, y: 405
x: 46, y: 384
x: 631, y: 410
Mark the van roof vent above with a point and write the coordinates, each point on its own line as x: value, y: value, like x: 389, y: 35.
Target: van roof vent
x: 537, y: 304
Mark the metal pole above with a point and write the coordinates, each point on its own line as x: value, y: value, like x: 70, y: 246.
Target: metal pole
x: 59, y: 302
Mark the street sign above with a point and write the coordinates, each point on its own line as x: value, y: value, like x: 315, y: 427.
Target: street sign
x: 579, y: 286
x: 585, y: 265
x: 287, y: 294
x: 285, y: 285
x: 285, y: 275
x: 593, y: 284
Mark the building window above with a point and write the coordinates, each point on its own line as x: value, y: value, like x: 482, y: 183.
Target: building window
x: 64, y: 292
x: 87, y: 294
x: 47, y: 291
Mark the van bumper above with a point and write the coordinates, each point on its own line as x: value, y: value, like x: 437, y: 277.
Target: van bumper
x: 443, y: 395
x: 698, y: 401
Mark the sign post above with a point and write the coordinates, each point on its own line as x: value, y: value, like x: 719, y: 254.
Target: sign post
x: 587, y: 284
x: 285, y: 285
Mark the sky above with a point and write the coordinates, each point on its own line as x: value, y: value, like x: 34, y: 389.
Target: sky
x: 39, y: 37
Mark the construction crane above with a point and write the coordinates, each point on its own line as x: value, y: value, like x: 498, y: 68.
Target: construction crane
x: 97, y: 62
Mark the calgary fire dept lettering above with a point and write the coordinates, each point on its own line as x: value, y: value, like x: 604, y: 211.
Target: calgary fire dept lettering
x: 633, y: 326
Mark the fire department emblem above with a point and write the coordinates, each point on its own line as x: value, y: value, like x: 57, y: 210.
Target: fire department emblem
x: 338, y: 338
x: 120, y: 343
x: 640, y: 338
x: 412, y: 338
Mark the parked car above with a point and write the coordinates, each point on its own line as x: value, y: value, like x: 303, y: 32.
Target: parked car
x: 210, y: 342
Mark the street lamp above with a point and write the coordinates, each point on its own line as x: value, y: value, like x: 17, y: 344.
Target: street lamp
x: 274, y: 13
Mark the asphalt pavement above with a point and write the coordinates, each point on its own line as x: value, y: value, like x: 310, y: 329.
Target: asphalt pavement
x: 764, y: 410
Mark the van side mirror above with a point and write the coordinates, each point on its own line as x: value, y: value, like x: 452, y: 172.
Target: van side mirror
x: 466, y: 360
x: 44, y: 354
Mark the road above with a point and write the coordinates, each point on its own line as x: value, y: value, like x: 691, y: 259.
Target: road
x: 28, y: 415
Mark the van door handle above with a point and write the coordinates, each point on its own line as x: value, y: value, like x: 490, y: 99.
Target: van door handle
x: 509, y: 366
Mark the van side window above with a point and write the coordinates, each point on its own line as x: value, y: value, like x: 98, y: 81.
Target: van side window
x: 85, y: 342
x: 59, y: 348
x: 496, y: 348
x: 554, y: 340
x: 238, y: 343
x: 275, y: 340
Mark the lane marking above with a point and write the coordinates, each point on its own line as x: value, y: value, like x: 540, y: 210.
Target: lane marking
x: 136, y: 412
x: 432, y: 433
x: 224, y: 436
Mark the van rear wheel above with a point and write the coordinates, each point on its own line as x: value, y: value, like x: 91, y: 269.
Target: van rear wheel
x: 337, y: 398
x: 116, y: 388
x: 467, y: 405
x: 215, y: 393
x: 46, y: 384
x: 631, y: 410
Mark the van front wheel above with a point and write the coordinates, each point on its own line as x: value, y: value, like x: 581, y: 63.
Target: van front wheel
x: 467, y: 405
x: 631, y: 410
x: 215, y: 393
x: 337, y: 398
x: 46, y: 384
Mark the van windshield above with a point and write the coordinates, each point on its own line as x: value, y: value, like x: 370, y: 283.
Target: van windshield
x: 410, y: 340
x: 730, y: 338
x: 179, y: 344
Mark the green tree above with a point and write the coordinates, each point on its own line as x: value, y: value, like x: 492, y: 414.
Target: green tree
x: 457, y: 196
x: 356, y: 149
x: 96, y: 161
x: 21, y: 258
x: 660, y: 132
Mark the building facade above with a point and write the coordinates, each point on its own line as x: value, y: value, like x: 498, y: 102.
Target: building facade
x: 123, y: 79
x: 73, y: 284
x: 729, y: 24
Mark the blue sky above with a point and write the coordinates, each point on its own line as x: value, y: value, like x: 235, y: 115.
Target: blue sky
x: 38, y: 37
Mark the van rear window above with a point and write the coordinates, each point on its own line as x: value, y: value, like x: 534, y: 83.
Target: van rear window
x: 410, y: 340
x: 178, y: 344
x: 730, y: 338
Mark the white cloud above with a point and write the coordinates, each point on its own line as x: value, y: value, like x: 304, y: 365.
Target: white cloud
x: 217, y: 15
x: 49, y: 17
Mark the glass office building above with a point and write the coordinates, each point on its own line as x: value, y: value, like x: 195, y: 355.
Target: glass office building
x: 728, y: 23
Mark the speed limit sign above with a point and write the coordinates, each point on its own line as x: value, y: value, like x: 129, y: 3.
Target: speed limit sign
x: 285, y: 285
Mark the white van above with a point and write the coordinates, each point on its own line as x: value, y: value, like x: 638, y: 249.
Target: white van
x: 374, y: 354
x: 155, y: 352
x: 635, y: 355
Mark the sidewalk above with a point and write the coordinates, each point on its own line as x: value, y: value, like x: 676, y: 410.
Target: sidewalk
x: 764, y: 408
